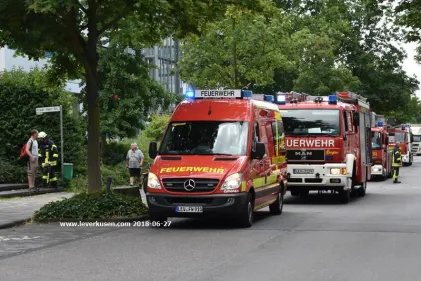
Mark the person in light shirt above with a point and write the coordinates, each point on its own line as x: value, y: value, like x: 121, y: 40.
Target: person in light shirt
x: 134, y: 162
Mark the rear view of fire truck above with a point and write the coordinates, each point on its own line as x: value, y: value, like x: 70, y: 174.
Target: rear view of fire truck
x: 328, y: 141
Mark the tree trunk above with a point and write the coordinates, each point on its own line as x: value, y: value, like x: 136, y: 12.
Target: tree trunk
x: 94, y: 171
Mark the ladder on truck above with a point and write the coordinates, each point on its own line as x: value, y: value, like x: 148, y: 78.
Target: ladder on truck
x: 350, y: 97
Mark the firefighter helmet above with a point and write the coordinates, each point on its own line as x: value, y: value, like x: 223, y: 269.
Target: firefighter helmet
x: 42, y: 135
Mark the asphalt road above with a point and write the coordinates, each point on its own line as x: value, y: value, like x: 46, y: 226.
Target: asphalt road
x: 377, y: 237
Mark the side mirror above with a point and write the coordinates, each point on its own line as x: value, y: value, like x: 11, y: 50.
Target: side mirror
x: 153, y: 149
x: 356, y: 119
x: 387, y: 141
x: 412, y: 138
x: 259, y: 152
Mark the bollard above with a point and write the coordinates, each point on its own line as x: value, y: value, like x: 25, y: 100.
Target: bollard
x: 108, y: 186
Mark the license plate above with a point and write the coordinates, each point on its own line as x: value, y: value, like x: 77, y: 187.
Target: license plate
x: 303, y: 171
x: 189, y: 209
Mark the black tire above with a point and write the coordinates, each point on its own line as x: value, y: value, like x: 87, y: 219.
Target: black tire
x: 247, y: 214
x: 362, y: 190
x: 295, y: 192
x: 304, y: 193
x: 345, y: 196
x: 157, y: 218
x: 276, y: 207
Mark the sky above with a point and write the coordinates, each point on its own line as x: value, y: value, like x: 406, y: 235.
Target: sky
x: 410, y: 65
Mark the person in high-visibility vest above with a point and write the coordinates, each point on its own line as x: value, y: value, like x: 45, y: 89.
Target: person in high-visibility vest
x: 48, y: 155
x: 396, y: 162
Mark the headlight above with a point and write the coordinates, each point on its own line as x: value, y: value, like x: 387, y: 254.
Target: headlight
x: 232, y: 182
x: 376, y: 170
x: 338, y: 171
x: 153, y: 181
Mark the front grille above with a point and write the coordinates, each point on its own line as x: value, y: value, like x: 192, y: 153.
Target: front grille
x: 313, y: 180
x: 200, y: 185
x: 295, y: 180
x: 188, y: 200
x: 306, y: 155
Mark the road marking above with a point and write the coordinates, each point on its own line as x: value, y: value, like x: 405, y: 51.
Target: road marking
x: 5, y: 238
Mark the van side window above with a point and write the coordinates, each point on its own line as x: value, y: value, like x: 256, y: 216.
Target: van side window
x: 345, y: 122
x: 280, y: 130
x: 349, y: 120
x: 256, y: 135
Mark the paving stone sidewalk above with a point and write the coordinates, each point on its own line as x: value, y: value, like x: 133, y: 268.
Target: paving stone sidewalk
x: 17, y: 210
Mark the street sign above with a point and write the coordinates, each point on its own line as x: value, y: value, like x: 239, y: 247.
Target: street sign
x: 41, y: 110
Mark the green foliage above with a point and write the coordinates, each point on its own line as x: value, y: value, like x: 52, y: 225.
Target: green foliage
x: 127, y: 92
x: 92, y: 206
x: 156, y: 128
x: 409, y: 16
x: 21, y: 93
x: 12, y: 173
x: 242, y: 54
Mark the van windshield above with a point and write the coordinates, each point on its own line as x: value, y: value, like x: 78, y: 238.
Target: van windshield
x: 298, y: 122
x: 206, y: 138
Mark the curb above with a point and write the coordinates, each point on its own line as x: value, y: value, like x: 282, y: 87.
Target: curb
x: 15, y: 223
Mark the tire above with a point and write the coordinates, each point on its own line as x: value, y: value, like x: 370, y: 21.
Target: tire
x: 295, y: 193
x: 276, y: 207
x: 345, y: 196
x: 247, y: 214
x: 156, y: 217
x: 362, y: 190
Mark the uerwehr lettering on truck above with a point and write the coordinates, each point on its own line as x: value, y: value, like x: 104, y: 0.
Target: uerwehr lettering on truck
x: 309, y: 143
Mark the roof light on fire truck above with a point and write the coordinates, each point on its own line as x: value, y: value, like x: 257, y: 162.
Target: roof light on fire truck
x: 246, y: 94
x: 281, y: 99
x: 189, y: 94
x: 232, y: 182
x: 153, y: 181
x: 380, y: 124
x: 332, y: 99
x: 268, y: 98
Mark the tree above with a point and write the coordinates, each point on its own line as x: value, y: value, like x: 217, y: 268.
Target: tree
x: 409, y: 16
x: 127, y: 91
x: 73, y: 30
x: 241, y: 50
x: 21, y: 93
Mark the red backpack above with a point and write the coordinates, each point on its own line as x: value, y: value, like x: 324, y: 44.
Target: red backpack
x: 23, y: 155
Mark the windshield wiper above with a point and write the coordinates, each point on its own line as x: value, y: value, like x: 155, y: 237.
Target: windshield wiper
x: 224, y: 154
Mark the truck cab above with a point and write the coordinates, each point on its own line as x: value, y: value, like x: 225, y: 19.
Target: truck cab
x: 222, y: 156
x: 381, y: 156
x: 404, y: 137
x: 416, y: 145
x: 328, y: 141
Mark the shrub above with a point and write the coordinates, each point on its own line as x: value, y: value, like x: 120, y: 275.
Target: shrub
x: 156, y: 128
x: 11, y: 172
x: 92, y: 206
x: 115, y: 153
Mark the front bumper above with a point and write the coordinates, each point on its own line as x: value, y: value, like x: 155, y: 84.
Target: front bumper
x: 320, y: 178
x: 215, y: 205
x: 377, y: 170
x: 405, y: 158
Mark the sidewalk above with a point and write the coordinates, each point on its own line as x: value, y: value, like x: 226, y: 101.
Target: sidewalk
x: 15, y: 211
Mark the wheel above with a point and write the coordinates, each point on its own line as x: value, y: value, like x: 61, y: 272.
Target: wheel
x: 247, y: 214
x: 362, y: 190
x: 276, y: 207
x: 295, y: 192
x: 304, y: 193
x: 156, y: 217
x: 345, y: 196
x: 383, y: 176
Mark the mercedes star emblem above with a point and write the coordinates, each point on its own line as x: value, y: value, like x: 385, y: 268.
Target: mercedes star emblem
x: 189, y: 185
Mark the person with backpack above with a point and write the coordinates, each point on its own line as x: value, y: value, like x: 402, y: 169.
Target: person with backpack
x: 48, y: 156
x: 29, y: 153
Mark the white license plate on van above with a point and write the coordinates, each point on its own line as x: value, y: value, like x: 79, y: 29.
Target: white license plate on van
x: 303, y: 171
x: 189, y: 209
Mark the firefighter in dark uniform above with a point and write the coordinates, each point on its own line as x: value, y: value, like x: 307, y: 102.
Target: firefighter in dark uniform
x: 396, y: 162
x: 48, y: 155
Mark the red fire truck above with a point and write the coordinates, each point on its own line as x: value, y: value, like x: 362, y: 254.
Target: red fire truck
x: 403, y: 135
x: 328, y: 141
x: 382, y: 157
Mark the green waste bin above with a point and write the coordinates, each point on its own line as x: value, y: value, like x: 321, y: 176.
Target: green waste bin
x: 67, y: 171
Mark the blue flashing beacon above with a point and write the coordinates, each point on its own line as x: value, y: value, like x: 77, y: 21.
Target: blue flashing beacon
x: 268, y: 98
x: 380, y: 124
x: 189, y: 94
x: 332, y: 99
x: 281, y: 99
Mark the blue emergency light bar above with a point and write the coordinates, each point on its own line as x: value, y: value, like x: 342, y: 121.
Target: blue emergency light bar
x: 380, y: 124
x: 214, y: 94
x: 281, y: 99
x: 268, y: 98
x: 332, y: 99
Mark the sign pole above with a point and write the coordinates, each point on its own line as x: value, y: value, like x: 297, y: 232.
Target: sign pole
x: 62, y: 141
